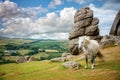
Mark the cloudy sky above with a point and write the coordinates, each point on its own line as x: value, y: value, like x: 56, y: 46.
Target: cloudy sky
x: 51, y: 19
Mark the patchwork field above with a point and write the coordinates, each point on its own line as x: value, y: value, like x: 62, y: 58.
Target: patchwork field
x: 109, y: 69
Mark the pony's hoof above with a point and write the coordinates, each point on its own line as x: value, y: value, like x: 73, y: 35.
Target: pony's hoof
x: 92, y: 67
x: 86, y: 67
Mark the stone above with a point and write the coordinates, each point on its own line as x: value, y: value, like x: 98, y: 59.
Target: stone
x: 95, y: 21
x: 59, y: 59
x: 98, y: 38
x: 110, y: 40
x: 79, y: 17
x: 79, y: 12
x: 89, y: 13
x: 71, y: 65
x: 83, y: 23
x: 76, y: 32
x: 115, y: 29
x: 118, y: 31
x: 65, y: 54
x: 21, y: 60
x: 92, y: 30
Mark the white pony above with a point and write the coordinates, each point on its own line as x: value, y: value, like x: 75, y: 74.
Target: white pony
x: 91, y: 48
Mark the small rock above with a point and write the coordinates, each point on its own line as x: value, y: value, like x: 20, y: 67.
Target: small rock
x: 65, y: 54
x: 59, y: 59
x: 71, y: 64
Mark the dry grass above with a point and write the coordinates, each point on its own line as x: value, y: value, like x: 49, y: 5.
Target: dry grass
x: 46, y: 70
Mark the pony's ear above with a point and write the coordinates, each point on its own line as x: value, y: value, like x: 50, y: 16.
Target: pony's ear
x: 87, y: 40
x: 88, y: 37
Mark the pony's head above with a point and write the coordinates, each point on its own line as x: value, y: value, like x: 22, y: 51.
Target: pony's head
x: 83, y: 41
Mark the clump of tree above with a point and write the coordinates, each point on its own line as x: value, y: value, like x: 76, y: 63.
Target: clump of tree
x: 11, y: 46
x: 3, y: 61
x: 50, y: 56
x: 35, y: 50
x: 15, y: 54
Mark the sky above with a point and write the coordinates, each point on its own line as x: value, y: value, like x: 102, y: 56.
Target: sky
x: 51, y: 19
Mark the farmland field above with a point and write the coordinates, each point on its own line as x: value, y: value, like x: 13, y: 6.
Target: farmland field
x: 47, y: 49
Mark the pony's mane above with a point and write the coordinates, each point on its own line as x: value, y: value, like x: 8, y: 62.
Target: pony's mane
x: 85, y: 37
x: 86, y: 40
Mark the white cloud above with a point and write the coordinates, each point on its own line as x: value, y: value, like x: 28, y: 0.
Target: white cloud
x: 112, y: 4
x: 55, y: 3
x: 58, y: 36
x: 106, y: 18
x: 53, y: 26
x: 10, y: 10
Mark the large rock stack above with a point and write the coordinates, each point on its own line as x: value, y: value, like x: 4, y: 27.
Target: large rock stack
x: 84, y: 24
x: 115, y: 30
x: 114, y: 38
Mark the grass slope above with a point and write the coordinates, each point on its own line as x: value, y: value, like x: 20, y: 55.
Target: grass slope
x: 46, y: 70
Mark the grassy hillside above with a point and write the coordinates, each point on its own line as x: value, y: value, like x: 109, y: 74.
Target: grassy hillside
x: 46, y: 70
x: 50, y: 44
x: 4, y: 41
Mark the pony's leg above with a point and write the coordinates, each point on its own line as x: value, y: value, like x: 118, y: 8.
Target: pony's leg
x: 92, y: 61
x: 86, y: 60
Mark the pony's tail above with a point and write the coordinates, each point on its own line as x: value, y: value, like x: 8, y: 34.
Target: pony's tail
x: 99, y: 54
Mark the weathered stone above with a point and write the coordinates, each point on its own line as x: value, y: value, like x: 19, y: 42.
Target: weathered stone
x: 81, y: 11
x: 59, y: 59
x: 71, y: 64
x: 83, y: 23
x: 111, y: 40
x: 115, y: 29
x: 21, y: 60
x: 118, y: 31
x: 89, y: 13
x: 65, y: 54
x: 92, y: 30
x: 98, y: 38
x: 79, y: 17
x: 73, y: 46
x: 95, y: 21
x: 76, y: 32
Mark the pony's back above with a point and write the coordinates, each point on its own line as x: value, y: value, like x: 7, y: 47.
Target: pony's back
x: 96, y: 50
x: 94, y: 46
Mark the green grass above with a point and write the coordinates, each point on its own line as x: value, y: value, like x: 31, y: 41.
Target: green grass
x: 23, y: 51
x: 50, y: 44
x: 46, y: 70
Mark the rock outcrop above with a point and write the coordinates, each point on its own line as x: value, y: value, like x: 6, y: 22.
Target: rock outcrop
x: 23, y: 59
x: 108, y: 41
x: 84, y: 24
x: 113, y: 39
x: 115, y: 30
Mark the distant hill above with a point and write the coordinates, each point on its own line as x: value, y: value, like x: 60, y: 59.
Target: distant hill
x: 4, y: 41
